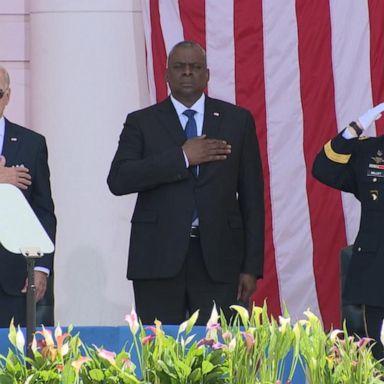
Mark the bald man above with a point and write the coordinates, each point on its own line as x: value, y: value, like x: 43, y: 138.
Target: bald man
x: 198, y: 226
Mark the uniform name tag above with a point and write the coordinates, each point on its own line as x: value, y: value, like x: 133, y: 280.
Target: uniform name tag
x: 375, y: 172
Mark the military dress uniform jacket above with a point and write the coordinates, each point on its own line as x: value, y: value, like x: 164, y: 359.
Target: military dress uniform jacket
x: 228, y: 194
x: 357, y: 166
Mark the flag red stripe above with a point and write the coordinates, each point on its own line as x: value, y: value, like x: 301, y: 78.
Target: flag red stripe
x: 158, y: 51
x: 319, y: 122
x: 192, y: 14
x: 376, y: 21
x: 249, y: 74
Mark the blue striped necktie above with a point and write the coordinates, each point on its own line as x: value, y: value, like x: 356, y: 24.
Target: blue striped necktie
x: 191, y: 131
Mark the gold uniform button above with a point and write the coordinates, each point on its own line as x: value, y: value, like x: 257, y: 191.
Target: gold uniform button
x: 374, y: 179
x: 359, y: 249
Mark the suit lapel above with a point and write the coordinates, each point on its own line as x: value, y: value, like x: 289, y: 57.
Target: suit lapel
x: 11, y: 143
x: 212, y: 119
x: 170, y: 121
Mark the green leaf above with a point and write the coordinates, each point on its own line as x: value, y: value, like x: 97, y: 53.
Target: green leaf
x: 207, y: 367
x: 96, y: 374
x: 183, y: 369
x: 244, y: 315
x: 163, y: 378
x: 165, y: 369
x: 5, y: 379
x: 45, y: 376
x: 191, y: 322
x: 68, y: 375
x: 195, y: 376
x: 216, y: 377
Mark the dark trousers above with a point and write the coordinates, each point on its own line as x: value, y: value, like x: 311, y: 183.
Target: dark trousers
x: 373, y: 318
x: 12, y: 307
x: 173, y: 300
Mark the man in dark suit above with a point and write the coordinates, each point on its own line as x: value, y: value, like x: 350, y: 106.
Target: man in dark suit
x: 354, y: 163
x: 198, y: 227
x: 23, y: 163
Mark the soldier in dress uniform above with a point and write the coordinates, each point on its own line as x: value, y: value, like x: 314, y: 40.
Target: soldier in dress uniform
x: 354, y: 163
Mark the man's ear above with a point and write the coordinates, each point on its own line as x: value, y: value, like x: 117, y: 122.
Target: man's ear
x: 166, y: 77
x: 8, y: 96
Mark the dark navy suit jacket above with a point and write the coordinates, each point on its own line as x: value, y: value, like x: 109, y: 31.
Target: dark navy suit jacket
x: 25, y: 147
x: 228, y: 194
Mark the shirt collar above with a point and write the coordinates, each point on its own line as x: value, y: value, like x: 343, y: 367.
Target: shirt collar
x: 2, y: 125
x: 198, y: 106
x: 2, y: 132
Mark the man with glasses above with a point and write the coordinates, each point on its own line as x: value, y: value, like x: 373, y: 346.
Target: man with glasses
x: 23, y: 163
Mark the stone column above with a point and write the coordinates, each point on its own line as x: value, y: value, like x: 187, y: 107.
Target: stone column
x: 87, y: 61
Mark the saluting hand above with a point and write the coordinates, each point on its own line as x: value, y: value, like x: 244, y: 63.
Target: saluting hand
x: 365, y: 120
x: 202, y: 150
x: 18, y: 176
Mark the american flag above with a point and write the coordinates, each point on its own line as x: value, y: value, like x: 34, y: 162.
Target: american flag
x: 305, y: 69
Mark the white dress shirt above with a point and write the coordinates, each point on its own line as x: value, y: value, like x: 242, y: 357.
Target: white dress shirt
x: 199, y: 118
x: 2, y: 131
x: 199, y: 115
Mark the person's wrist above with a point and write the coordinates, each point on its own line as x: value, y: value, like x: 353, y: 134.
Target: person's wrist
x: 355, y: 126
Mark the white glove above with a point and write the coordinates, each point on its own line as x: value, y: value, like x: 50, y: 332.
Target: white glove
x: 370, y: 116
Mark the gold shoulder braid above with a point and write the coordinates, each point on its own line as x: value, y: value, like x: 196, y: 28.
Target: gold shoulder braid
x: 336, y: 157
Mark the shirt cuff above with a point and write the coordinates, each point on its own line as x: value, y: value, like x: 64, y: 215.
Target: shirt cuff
x: 186, y: 159
x: 348, y: 135
x: 42, y: 269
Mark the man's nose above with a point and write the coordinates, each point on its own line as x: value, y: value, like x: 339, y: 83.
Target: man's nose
x: 188, y: 69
